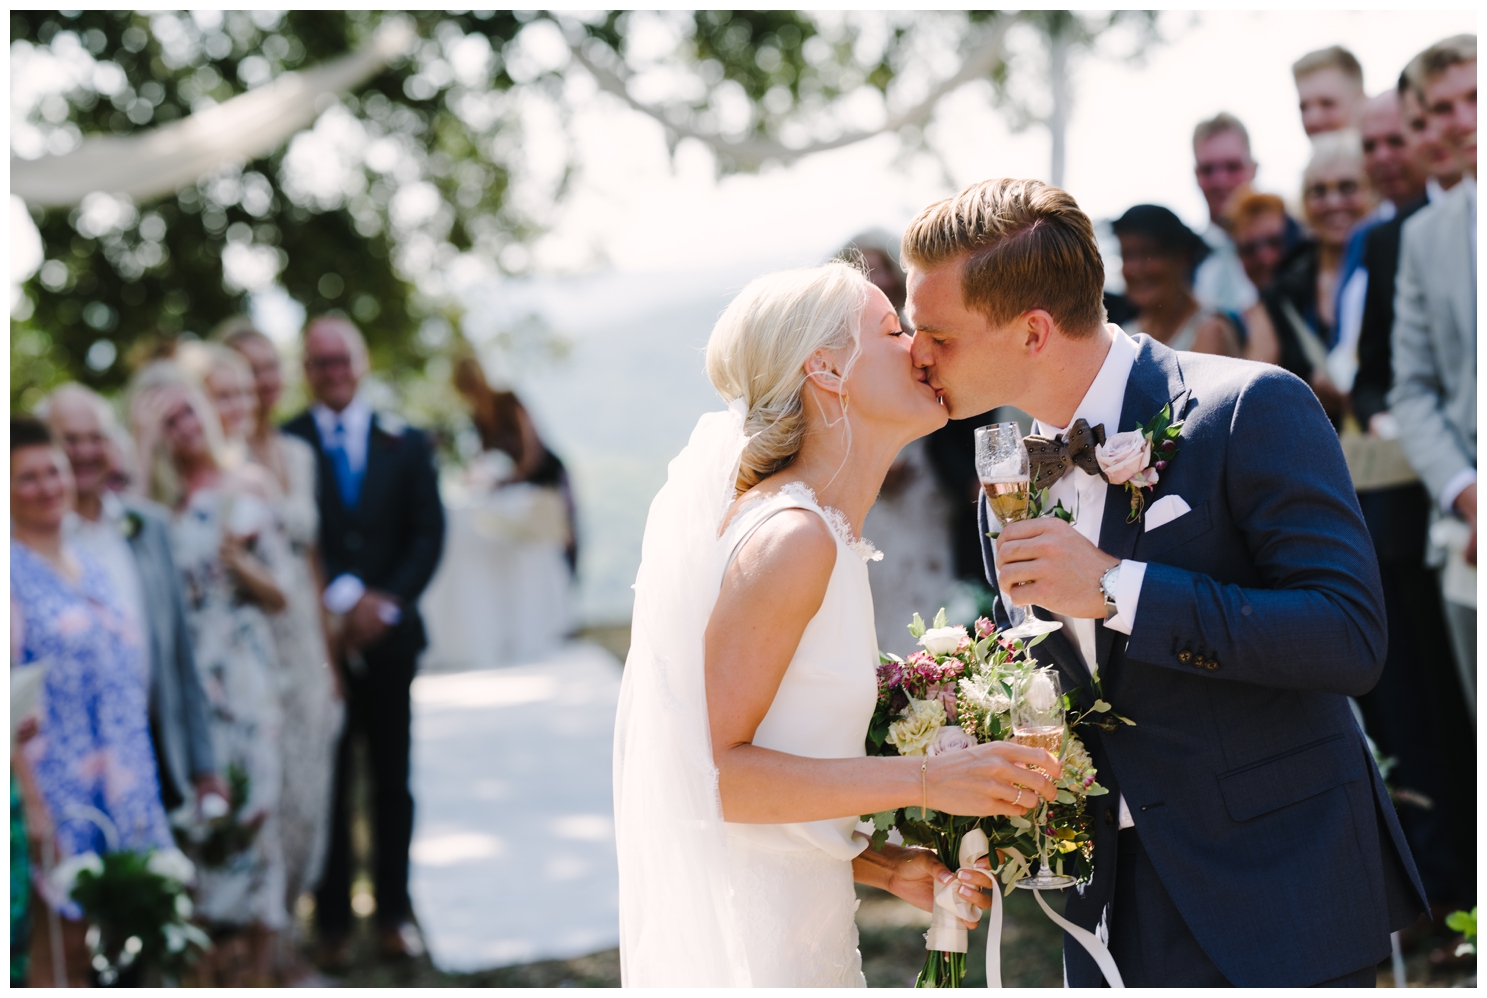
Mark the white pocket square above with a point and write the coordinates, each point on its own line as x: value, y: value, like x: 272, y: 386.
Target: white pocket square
x: 1165, y: 510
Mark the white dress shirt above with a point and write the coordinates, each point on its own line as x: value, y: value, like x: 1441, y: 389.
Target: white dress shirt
x: 355, y: 422
x: 1220, y: 282
x: 1084, y: 494
x: 103, y: 539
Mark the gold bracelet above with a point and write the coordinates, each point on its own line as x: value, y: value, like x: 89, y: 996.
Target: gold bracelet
x: 924, y: 789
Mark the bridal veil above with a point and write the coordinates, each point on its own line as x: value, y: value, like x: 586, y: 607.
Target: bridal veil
x: 676, y: 910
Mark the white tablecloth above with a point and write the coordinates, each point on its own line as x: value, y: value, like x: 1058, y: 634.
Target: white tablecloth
x: 503, y: 592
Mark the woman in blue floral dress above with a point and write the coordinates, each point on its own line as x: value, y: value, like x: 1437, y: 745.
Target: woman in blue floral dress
x: 91, y: 757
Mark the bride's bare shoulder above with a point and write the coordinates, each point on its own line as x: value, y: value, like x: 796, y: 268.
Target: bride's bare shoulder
x: 792, y: 544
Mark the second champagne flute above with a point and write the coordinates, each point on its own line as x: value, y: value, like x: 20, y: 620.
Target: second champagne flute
x: 1038, y: 721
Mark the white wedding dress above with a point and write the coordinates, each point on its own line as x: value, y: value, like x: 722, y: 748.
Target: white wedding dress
x: 705, y: 902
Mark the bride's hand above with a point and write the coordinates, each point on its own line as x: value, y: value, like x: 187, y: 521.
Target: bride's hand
x: 916, y: 871
x: 995, y: 778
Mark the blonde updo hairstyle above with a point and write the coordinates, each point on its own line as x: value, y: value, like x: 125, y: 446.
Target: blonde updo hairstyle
x: 760, y: 346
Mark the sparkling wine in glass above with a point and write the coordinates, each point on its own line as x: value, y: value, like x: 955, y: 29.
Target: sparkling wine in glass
x: 1038, y: 721
x: 1005, y: 471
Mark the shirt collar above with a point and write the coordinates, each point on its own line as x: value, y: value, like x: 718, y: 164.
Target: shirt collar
x: 354, y: 419
x: 111, y: 516
x: 1106, y: 396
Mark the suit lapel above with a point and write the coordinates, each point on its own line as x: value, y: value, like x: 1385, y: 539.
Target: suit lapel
x: 379, y: 465
x: 1156, y: 380
x: 1462, y: 281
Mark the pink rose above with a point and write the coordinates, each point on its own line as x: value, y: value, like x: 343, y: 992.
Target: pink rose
x: 950, y: 738
x: 984, y: 627
x: 1124, y: 458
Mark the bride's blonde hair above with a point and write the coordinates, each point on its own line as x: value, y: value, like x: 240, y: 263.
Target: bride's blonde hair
x: 759, y: 348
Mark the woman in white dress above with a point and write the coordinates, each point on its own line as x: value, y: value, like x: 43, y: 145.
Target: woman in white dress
x: 740, y: 767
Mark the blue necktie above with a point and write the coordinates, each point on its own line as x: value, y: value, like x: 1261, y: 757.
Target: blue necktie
x: 348, y: 482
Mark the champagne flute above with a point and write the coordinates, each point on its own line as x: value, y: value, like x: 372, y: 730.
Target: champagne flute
x: 1005, y: 471
x: 1038, y: 721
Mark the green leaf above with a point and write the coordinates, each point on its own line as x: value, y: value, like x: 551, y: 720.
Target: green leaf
x: 940, y: 620
x: 1021, y: 823
x: 919, y: 814
x: 1100, y: 707
x: 1125, y: 720
x: 916, y: 626
x: 1064, y: 797
x: 883, y: 820
x: 1095, y: 790
x: 1038, y: 639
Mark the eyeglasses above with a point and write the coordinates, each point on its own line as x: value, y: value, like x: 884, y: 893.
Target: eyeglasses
x: 327, y: 363
x: 1225, y: 166
x: 1252, y: 246
x: 1342, y: 188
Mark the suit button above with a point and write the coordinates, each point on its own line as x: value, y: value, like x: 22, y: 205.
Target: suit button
x: 1200, y: 661
x: 1185, y: 657
x: 1210, y: 665
x: 353, y: 541
x: 1109, y: 817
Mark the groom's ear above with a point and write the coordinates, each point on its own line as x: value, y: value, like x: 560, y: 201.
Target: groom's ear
x: 1038, y: 329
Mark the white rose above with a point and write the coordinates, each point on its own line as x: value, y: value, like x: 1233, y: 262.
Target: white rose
x: 1124, y: 457
x: 63, y: 877
x: 916, y: 728
x: 950, y: 738
x: 172, y: 864
x: 943, y: 640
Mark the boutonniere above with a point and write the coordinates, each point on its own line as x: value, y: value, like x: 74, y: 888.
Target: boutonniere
x: 1137, y: 458
x: 391, y: 424
x: 132, y: 525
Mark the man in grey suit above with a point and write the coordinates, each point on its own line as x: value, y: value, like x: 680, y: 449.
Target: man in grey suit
x: 131, y: 539
x: 1435, y: 326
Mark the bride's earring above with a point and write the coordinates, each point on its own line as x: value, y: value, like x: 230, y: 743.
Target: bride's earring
x: 845, y: 399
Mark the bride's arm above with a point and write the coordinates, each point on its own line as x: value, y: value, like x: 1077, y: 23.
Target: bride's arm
x: 771, y: 592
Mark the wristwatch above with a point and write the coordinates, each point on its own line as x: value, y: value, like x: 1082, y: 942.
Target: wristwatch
x: 1108, y: 582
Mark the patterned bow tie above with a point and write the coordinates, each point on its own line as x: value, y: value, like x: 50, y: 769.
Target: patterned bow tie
x: 1055, y: 458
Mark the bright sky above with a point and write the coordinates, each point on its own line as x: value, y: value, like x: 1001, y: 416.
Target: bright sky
x: 1129, y: 142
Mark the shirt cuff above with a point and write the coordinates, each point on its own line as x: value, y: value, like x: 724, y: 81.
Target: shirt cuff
x: 344, y: 592
x: 1127, y: 595
x: 1454, y: 488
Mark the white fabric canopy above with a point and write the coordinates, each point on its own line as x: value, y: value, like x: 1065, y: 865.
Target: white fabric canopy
x: 162, y: 160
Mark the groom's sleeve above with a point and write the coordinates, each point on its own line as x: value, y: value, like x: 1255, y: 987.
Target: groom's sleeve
x: 1316, y: 621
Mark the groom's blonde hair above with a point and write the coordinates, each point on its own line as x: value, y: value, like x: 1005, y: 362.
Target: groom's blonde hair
x: 759, y: 348
x: 1026, y: 246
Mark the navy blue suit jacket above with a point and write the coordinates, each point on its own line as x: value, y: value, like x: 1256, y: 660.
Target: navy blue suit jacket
x: 392, y: 540
x: 1249, y: 781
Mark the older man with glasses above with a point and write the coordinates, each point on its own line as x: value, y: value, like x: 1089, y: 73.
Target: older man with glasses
x: 381, y: 534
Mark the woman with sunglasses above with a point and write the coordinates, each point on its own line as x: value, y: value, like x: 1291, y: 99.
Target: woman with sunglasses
x: 1302, y: 303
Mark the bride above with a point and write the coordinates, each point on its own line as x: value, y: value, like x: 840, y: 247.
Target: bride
x: 739, y: 744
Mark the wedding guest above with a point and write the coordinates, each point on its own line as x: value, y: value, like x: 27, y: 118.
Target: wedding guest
x: 129, y: 537
x: 228, y: 551
x: 1224, y: 168
x: 1303, y: 301
x: 504, y: 425
x: 91, y: 757
x: 1423, y: 131
x: 1264, y: 234
x: 1397, y: 179
x: 310, y: 690
x: 243, y: 385
x: 1158, y: 255
x: 381, y: 533
x: 1329, y: 89
x: 1435, y: 328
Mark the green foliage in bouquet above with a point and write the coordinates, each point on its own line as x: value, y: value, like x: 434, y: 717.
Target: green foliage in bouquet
x: 139, y: 910
x: 957, y: 692
x: 1464, y: 922
x: 214, y: 841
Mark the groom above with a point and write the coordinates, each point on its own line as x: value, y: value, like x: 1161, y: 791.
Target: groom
x: 1248, y: 838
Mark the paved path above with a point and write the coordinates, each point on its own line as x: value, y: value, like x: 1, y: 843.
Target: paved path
x: 513, y: 845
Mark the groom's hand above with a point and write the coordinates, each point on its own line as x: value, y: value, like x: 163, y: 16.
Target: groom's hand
x: 1048, y: 563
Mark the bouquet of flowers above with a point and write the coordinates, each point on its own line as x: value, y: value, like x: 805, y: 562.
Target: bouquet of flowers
x: 956, y: 692
x: 138, y: 907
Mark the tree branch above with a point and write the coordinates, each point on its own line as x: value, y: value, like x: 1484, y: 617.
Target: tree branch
x: 752, y: 153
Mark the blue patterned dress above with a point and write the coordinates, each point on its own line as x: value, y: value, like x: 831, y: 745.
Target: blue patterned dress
x: 93, y: 759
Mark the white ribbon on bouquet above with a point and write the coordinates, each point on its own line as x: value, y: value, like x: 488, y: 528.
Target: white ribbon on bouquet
x: 948, y: 934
